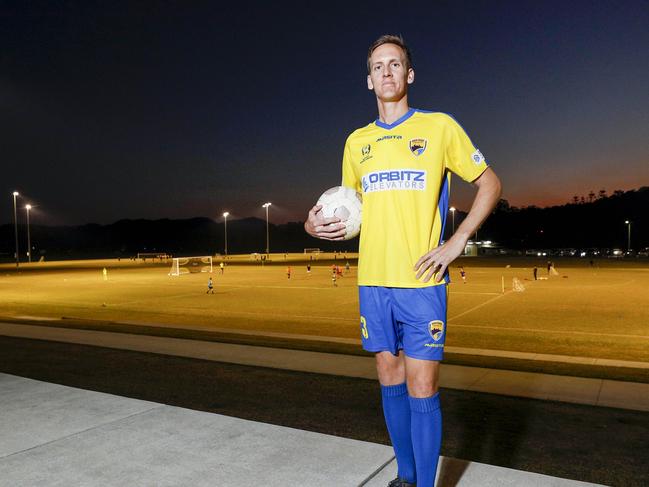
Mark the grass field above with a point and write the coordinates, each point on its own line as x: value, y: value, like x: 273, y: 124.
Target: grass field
x: 600, y: 311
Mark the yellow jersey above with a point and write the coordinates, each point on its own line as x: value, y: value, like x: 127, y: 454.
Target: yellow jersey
x: 403, y: 171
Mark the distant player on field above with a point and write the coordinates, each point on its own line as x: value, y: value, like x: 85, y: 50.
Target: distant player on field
x: 222, y: 266
x: 334, y: 277
x: 402, y: 163
x: 463, y: 274
x: 288, y: 272
x: 210, y: 286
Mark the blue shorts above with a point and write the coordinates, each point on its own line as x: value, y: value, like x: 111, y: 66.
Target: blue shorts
x: 408, y: 319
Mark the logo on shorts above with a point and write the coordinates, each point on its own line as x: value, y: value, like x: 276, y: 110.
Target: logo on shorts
x: 364, y: 331
x: 436, y: 329
x: 418, y: 146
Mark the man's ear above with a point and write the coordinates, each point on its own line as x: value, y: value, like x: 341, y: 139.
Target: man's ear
x: 370, y: 85
x: 411, y: 76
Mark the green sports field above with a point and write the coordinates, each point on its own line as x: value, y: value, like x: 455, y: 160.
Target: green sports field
x: 600, y: 311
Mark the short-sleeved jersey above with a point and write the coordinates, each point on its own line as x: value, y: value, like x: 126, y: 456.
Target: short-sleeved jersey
x: 403, y: 172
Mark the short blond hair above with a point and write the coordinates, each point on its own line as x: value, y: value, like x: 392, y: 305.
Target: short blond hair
x: 389, y: 39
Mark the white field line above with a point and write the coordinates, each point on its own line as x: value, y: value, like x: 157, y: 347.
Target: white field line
x: 545, y: 331
x: 289, y: 316
x: 452, y: 293
x: 478, y: 306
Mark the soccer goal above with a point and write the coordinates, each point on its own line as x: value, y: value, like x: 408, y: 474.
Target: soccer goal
x: 191, y: 265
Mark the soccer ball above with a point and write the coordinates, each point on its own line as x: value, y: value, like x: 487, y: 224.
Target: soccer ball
x: 344, y: 203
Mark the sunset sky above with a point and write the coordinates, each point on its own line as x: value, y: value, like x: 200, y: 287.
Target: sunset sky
x: 111, y: 111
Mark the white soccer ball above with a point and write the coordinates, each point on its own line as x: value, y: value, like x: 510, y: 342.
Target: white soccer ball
x: 344, y: 203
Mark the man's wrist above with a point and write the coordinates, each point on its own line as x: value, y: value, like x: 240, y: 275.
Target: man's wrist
x: 462, y: 236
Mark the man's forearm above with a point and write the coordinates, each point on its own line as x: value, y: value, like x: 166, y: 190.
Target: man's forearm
x: 489, y: 190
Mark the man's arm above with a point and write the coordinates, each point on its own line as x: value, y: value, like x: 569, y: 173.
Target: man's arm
x: 437, y: 260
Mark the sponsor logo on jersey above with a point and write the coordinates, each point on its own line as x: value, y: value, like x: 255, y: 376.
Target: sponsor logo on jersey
x: 398, y: 179
x: 389, y: 137
x: 477, y: 157
x: 436, y: 329
x: 365, y: 152
x: 417, y: 146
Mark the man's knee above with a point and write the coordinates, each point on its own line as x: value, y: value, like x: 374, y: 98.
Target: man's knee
x: 391, y: 370
x: 422, y: 377
x: 422, y: 388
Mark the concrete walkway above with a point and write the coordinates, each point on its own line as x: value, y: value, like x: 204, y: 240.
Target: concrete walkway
x: 596, y: 392
x: 55, y: 435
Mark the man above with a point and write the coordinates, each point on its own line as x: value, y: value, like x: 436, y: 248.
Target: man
x: 402, y: 162
x: 210, y: 286
x: 463, y: 274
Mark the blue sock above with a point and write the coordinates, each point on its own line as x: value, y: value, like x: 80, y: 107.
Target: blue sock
x: 426, y: 424
x: 396, y: 410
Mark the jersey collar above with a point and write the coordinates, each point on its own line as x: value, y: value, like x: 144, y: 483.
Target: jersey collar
x: 389, y: 126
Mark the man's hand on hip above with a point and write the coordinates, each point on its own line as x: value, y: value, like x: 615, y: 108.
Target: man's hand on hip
x: 435, y: 262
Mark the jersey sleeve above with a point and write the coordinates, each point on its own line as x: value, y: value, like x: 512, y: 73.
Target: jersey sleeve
x: 350, y: 179
x: 462, y: 157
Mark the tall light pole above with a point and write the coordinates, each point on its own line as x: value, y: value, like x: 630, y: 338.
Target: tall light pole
x: 628, y: 235
x: 266, y: 205
x: 29, y: 242
x: 225, y: 215
x: 452, y: 209
x: 15, y: 193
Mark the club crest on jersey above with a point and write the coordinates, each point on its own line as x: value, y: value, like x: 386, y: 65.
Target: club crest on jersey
x: 418, y: 146
x: 477, y: 157
x: 436, y: 329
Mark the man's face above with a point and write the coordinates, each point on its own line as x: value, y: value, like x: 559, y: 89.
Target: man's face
x: 388, y: 76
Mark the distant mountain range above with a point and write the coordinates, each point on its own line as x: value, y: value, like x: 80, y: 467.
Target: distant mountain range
x: 596, y: 222
x: 194, y: 236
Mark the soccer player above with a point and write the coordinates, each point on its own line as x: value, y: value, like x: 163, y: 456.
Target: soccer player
x: 463, y: 274
x: 402, y: 163
x: 288, y: 272
x: 210, y: 286
x: 222, y: 266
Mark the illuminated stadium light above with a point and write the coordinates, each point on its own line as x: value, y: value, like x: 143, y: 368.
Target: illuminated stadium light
x: 266, y: 205
x: 29, y: 242
x: 14, y: 194
x: 225, y: 215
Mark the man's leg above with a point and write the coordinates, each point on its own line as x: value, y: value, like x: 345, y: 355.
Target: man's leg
x: 426, y: 417
x: 396, y: 409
